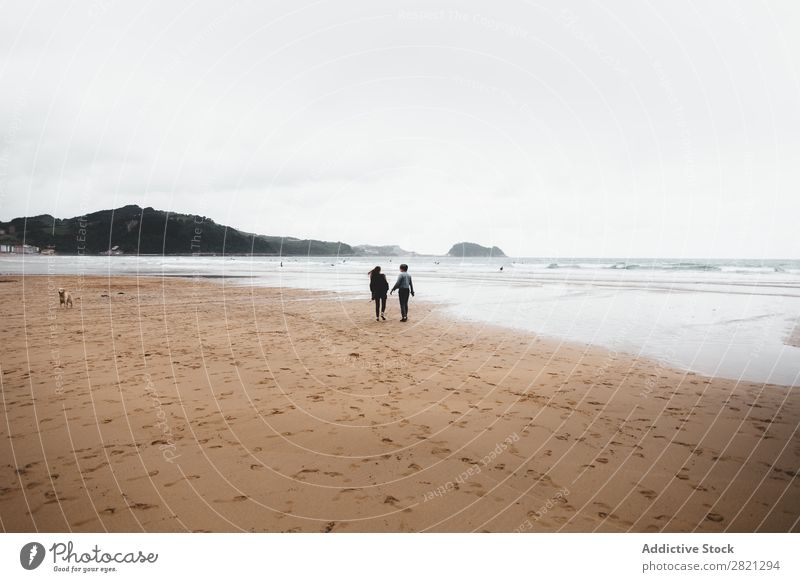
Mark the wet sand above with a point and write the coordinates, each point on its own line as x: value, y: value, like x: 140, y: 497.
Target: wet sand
x: 794, y: 337
x: 188, y: 405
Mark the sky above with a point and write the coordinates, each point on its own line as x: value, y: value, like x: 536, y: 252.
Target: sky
x: 624, y: 129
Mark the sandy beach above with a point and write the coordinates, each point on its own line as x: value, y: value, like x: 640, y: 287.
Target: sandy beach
x: 168, y: 404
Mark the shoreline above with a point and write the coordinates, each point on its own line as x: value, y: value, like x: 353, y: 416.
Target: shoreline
x: 186, y: 405
x: 731, y: 324
x: 792, y: 338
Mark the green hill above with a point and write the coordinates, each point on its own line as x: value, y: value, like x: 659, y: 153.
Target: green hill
x: 136, y: 230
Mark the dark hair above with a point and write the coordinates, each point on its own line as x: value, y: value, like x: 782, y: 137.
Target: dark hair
x: 375, y: 272
x: 404, y: 267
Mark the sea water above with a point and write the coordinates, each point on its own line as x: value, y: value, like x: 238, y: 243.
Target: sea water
x: 729, y: 318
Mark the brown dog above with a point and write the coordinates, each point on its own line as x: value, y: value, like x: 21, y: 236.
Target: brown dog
x: 64, y: 298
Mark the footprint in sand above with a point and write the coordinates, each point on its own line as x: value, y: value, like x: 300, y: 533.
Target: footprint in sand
x: 93, y: 469
x: 141, y: 506
x: 186, y: 478
x: 303, y: 472
x: 236, y: 499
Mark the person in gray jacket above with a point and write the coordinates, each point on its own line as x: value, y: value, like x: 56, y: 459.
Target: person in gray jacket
x: 405, y: 287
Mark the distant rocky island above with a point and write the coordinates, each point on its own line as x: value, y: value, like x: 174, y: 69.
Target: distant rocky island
x: 468, y: 249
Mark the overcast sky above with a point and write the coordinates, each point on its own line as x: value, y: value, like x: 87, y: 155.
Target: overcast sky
x: 604, y: 129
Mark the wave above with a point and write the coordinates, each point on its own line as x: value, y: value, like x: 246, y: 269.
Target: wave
x: 576, y: 266
x: 634, y: 266
x: 754, y: 270
x: 666, y: 266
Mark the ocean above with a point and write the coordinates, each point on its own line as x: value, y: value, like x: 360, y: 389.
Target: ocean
x: 732, y: 318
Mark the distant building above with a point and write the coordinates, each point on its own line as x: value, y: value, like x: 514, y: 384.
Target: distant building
x: 24, y: 249
x: 115, y: 250
x: 5, y: 248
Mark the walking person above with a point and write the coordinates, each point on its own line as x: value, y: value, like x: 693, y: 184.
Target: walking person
x: 379, y: 286
x: 404, y: 286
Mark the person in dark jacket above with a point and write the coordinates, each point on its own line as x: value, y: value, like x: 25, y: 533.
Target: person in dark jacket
x: 379, y: 286
x: 405, y: 287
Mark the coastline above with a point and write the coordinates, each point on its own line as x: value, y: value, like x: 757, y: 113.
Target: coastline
x: 720, y: 323
x: 188, y: 405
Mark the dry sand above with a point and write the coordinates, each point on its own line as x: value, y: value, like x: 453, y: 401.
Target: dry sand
x: 183, y: 405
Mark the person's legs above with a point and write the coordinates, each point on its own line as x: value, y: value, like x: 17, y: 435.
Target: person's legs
x: 404, y: 302
x: 383, y: 305
x: 377, y: 307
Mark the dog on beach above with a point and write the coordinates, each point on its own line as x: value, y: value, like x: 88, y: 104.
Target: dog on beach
x: 64, y: 297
